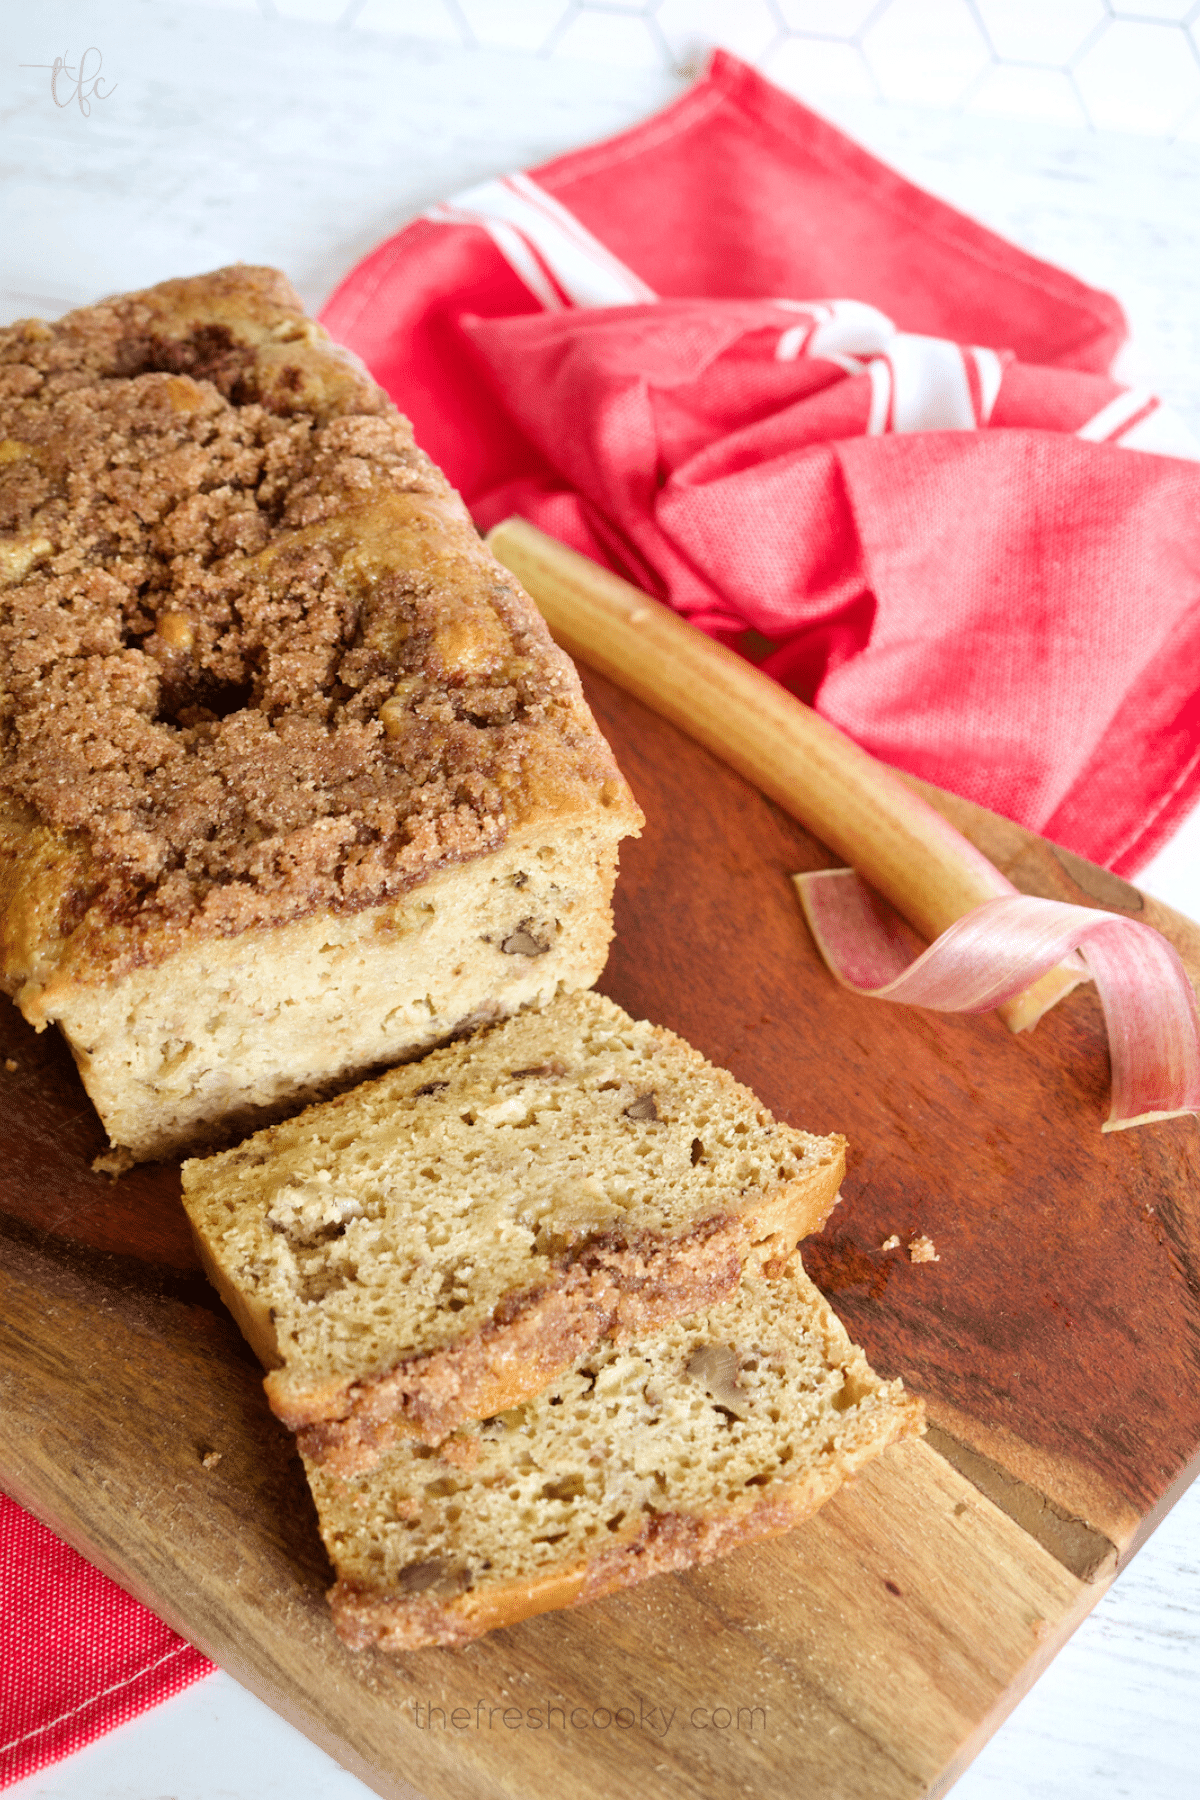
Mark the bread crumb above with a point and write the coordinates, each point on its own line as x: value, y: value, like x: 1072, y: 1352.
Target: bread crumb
x: 921, y: 1249
x: 461, y: 1452
x: 891, y: 1243
x: 210, y: 1459
x: 11, y: 1065
x: 113, y: 1162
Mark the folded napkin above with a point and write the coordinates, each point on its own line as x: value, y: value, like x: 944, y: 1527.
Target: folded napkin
x: 78, y: 1655
x: 736, y: 358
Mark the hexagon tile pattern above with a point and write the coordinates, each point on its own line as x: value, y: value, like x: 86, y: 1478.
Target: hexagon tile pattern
x: 1104, y: 65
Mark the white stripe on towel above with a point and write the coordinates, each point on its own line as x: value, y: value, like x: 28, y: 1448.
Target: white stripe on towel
x: 545, y: 245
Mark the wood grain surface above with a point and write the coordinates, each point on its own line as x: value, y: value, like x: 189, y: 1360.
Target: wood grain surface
x: 867, y: 1655
x: 1056, y: 1333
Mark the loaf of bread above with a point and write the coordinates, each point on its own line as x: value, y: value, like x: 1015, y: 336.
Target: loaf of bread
x: 293, y: 782
x: 436, y: 1245
x: 730, y: 1426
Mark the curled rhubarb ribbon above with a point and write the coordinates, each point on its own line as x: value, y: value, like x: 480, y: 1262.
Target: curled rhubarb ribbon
x: 1001, y: 948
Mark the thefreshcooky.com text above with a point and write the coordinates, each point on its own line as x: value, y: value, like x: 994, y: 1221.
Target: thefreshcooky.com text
x: 659, y: 1720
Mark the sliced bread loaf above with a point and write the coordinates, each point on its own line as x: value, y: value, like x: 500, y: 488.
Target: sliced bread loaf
x: 293, y: 781
x: 434, y: 1246
x: 726, y: 1427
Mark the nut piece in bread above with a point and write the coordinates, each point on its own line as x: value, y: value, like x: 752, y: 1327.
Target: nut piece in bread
x: 631, y: 1463
x: 436, y: 1245
x: 293, y: 781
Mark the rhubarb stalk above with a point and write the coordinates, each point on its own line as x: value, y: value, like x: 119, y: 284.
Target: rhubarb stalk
x: 994, y: 951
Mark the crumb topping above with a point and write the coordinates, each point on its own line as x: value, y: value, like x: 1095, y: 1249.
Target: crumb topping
x: 251, y: 653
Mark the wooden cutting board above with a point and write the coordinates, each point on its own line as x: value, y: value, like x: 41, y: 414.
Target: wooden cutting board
x: 868, y: 1655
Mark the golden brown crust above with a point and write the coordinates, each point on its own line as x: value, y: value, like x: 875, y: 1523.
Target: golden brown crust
x: 661, y: 1543
x: 616, y: 1284
x: 254, y: 661
x: 727, y: 1426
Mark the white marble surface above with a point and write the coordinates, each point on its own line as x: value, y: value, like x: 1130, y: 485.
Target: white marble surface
x: 295, y: 140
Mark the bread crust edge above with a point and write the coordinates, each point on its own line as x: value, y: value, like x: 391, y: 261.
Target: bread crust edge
x: 663, y: 1543
x: 597, y: 1290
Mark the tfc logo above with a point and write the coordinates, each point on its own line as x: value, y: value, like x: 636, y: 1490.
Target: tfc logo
x: 81, y: 85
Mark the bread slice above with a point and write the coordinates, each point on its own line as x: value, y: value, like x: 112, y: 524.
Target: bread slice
x: 436, y: 1245
x: 733, y: 1425
x: 293, y: 782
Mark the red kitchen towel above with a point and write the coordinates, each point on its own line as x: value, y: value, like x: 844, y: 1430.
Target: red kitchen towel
x: 739, y: 360
x: 77, y: 1655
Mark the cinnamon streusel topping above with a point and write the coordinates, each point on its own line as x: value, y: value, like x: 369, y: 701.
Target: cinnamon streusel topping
x: 253, y: 658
